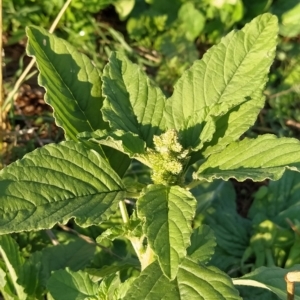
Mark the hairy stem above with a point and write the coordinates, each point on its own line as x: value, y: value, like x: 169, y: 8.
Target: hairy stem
x: 193, y: 184
x: 145, y: 256
x: 124, y: 212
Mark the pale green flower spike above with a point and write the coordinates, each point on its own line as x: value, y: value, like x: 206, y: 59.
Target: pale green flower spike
x: 168, y: 158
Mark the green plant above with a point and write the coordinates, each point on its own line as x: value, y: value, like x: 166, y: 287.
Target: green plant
x: 119, y: 116
x: 21, y: 13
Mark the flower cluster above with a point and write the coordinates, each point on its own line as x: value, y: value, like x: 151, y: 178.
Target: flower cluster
x: 168, y: 158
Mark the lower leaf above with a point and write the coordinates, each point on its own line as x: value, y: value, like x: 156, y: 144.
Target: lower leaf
x: 271, y: 278
x: 68, y: 285
x: 55, y: 183
x: 193, y: 281
x: 9, y: 252
x: 264, y: 157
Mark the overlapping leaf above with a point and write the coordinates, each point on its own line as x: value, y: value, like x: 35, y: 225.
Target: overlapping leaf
x: 132, y: 102
x: 73, y: 89
x: 192, y: 282
x: 234, y: 123
x: 279, y: 201
x: 115, y: 267
x: 9, y: 251
x: 232, y: 234
x: 168, y: 212
x: 72, y: 82
x: 56, y: 183
x: 68, y: 285
x: 261, y: 158
x: 152, y: 285
x: 271, y: 278
x: 210, y: 194
x: 36, y: 270
x: 108, y: 287
x: 227, y: 76
x: 125, y: 142
x: 31, y: 277
x: 203, y: 243
x: 74, y: 255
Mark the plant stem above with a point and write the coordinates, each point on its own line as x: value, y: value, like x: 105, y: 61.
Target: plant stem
x: 145, y: 257
x: 124, y: 212
x: 133, y: 195
x: 290, y: 279
x: 52, y: 237
x: 136, y: 243
x: 193, y: 184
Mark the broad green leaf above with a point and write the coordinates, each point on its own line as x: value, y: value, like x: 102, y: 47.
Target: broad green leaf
x: 227, y: 76
x: 74, y: 255
x: 251, y: 292
x: 234, y: 123
x: 132, y: 103
x: 210, y: 194
x: 117, y: 266
x: 72, y: 82
x: 31, y: 276
x: 258, y: 159
x: 125, y: 142
x: 137, y: 177
x: 203, y: 243
x: 196, y: 132
x: 56, y: 183
x: 278, y: 201
x: 152, y: 285
x: 192, y: 282
x: 168, y: 212
x: 111, y: 287
x: 199, y: 282
x: 217, y: 208
x: 108, y: 287
x: 73, y: 89
x: 68, y: 285
x: 232, y: 234
x: 9, y: 251
x: 124, y: 287
x: 271, y: 278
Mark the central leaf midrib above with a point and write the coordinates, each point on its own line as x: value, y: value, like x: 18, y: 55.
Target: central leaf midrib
x: 62, y: 200
x: 237, y: 68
